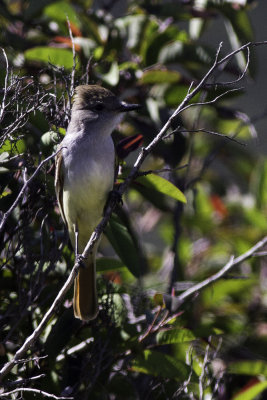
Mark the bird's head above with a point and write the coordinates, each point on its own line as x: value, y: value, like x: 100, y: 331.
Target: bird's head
x: 95, y: 104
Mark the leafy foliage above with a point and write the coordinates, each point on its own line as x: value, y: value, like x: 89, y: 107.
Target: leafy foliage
x: 205, y: 200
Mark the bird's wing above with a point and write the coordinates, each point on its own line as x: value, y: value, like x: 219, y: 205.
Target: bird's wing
x: 59, y: 183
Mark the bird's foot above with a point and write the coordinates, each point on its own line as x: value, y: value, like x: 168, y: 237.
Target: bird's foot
x: 80, y: 260
x: 115, y: 195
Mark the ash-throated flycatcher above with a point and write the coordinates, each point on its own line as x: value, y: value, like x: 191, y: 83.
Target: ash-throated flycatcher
x: 84, y: 177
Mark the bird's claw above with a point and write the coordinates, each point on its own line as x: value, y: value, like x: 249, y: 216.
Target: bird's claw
x: 80, y: 260
x: 114, y: 194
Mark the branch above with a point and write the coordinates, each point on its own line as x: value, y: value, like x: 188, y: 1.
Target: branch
x: 36, y: 391
x: 231, y: 263
x: 74, y: 63
x: 236, y: 80
x: 145, y: 151
x: 37, y: 332
x: 25, y: 381
x: 5, y: 86
x: 204, y: 103
x: 205, y: 131
x: 22, y: 191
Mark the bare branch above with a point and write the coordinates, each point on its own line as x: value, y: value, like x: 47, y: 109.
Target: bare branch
x: 5, y: 86
x: 78, y: 347
x: 35, y: 391
x: 231, y: 263
x: 205, y: 103
x: 25, y: 381
x: 159, y: 171
x: 22, y: 191
x: 74, y: 63
x: 213, y: 133
x: 37, y: 332
x: 224, y: 84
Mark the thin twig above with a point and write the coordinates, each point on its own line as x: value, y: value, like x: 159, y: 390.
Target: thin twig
x: 25, y: 381
x: 231, y: 263
x: 5, y: 85
x: 73, y: 62
x: 147, y: 332
x: 22, y: 191
x: 212, y: 133
x: 205, y: 103
x: 159, y: 171
x: 224, y: 84
x: 37, y: 332
x: 36, y: 391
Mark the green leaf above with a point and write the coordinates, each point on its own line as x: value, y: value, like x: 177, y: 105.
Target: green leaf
x: 4, y: 156
x: 240, y: 31
x: 88, y: 45
x: 123, y: 244
x: 159, y: 184
x: 221, y: 290
x: 49, y: 138
x: 16, y: 147
x: 156, y: 41
x: 251, y: 392
x: 174, y: 336
x: 60, y: 10
x: 106, y: 264
x: 175, y: 94
x: 240, y: 22
x: 132, y: 27
x: 254, y: 368
x: 113, y: 75
x: 192, y: 56
x: 160, y: 76
x: 55, y: 56
x: 259, y: 184
x: 5, y: 193
x: 154, y: 363
x: 158, y: 299
x: 254, y: 217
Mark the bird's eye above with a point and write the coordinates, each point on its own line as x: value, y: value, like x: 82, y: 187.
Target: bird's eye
x: 98, y: 107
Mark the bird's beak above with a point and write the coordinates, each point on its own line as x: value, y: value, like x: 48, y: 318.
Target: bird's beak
x: 124, y: 107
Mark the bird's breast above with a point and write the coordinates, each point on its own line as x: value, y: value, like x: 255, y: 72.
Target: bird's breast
x: 89, y: 176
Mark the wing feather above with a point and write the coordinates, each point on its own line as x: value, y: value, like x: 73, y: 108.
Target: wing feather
x: 59, y: 184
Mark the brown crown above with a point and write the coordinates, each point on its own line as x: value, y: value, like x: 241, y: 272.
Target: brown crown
x: 87, y: 96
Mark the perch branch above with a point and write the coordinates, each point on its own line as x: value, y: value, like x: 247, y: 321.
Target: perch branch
x: 145, y: 151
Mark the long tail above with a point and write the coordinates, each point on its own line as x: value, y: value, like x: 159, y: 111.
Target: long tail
x: 85, y: 302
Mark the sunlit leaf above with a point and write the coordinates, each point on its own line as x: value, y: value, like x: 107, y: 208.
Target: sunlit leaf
x: 251, y: 392
x: 16, y: 147
x: 192, y: 56
x: 217, y: 292
x: 251, y: 367
x: 174, y: 336
x: 55, y: 56
x: 112, y: 76
x: 157, y: 183
x: 5, y: 192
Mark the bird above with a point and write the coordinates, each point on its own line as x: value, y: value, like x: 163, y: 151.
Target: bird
x: 84, y: 177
